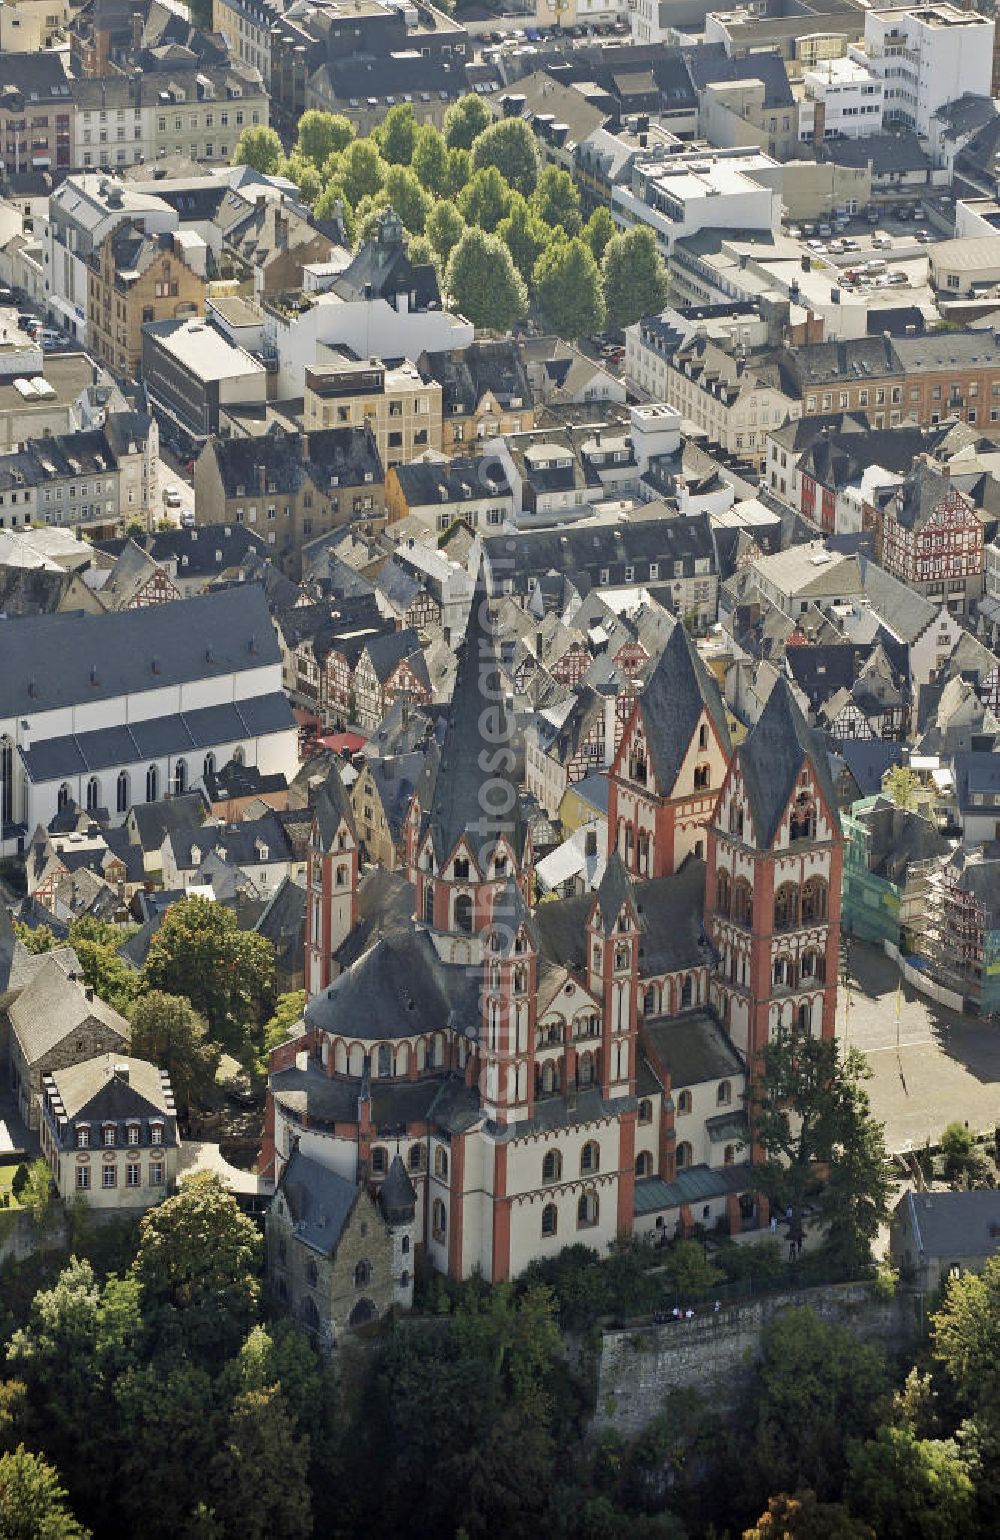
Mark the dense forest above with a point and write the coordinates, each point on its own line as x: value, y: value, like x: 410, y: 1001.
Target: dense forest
x: 146, y: 1388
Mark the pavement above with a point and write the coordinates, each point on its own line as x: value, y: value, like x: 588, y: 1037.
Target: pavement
x: 930, y: 1066
x: 14, y: 1136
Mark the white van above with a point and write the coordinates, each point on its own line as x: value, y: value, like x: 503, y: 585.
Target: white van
x: 875, y: 265
x: 881, y: 241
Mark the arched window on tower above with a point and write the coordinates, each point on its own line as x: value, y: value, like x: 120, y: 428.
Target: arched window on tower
x: 384, y: 1060
x: 552, y: 1166
x: 683, y: 1155
x: 590, y: 1157
x: 742, y: 906
x: 703, y: 736
x: 362, y: 1274
x: 687, y: 992
x: 650, y: 1000
x: 803, y: 1021
x: 550, y: 1219
x: 643, y: 1164
x: 724, y: 1094
x: 585, y: 1069
x: 683, y: 1103
x: 723, y: 894
x: 463, y: 913
x: 428, y: 903
x: 439, y: 1220
x: 802, y: 824
x: 814, y: 900
x: 702, y: 777
x: 786, y: 907
x: 736, y: 819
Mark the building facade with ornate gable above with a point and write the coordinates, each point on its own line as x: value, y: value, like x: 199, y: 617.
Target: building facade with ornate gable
x: 576, y: 1070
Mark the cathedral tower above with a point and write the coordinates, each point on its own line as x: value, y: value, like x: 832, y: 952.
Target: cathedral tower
x: 772, y: 887
x: 670, y: 763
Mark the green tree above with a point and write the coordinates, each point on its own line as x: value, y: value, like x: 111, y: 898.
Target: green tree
x: 635, y: 279
x: 322, y: 134
x: 226, y: 973
x: 361, y: 170
x: 198, y: 1263
x: 78, y: 1339
x: 397, y: 134
x: 567, y: 284
x: 485, y: 199
x: 804, y: 1517
x: 37, y: 940
x: 958, y: 1148
x: 817, y: 1385
x: 689, y: 1270
x: 168, y: 1031
x: 910, y: 1488
x: 459, y: 170
x: 288, y: 1009
x: 483, y: 283
x: 260, y: 148
x: 810, y: 1108
x: 965, y: 1341
x: 260, y: 1481
x: 332, y: 203
x: 304, y: 174
x: 13, y: 1410
x: 599, y: 230
x: 420, y: 252
x: 36, y: 1195
x: 509, y: 144
x: 175, y: 1419
x: 96, y: 944
x: 430, y: 159
x: 33, y: 1502
x: 524, y: 235
x: 556, y: 201
x: 410, y: 201
x: 368, y: 216
x: 280, y: 1354
x: 444, y: 229
x: 901, y: 785
x: 464, y: 120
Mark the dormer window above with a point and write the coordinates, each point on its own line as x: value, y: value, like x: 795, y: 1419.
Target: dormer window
x: 461, y: 868
x: 156, y: 1133
x: 83, y: 1138
x: 109, y: 1134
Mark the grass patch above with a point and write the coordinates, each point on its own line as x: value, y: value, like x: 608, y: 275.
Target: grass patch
x: 8, y: 1201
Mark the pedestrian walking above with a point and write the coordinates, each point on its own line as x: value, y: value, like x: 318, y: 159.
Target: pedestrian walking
x: 774, y: 1224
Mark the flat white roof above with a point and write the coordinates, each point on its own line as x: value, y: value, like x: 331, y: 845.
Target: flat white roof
x: 207, y: 353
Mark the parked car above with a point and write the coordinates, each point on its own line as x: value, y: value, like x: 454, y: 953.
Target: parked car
x: 826, y: 231
x: 172, y: 496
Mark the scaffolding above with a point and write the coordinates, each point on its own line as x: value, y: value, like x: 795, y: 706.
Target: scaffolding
x: 952, y: 925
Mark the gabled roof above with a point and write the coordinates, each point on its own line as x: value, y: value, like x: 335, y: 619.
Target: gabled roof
x: 614, y: 893
x: 95, y: 1089
x: 770, y: 760
x: 52, y: 1007
x: 320, y: 1201
x: 331, y: 805
x: 679, y: 689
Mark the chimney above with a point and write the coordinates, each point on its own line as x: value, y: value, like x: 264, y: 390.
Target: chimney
x: 262, y: 476
x: 136, y: 30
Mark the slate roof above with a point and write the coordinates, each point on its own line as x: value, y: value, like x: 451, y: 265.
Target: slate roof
x: 52, y: 1007
x: 92, y: 1088
x: 771, y: 757
x: 885, y: 153
x: 953, y: 1224
x: 478, y: 746
x: 670, y: 913
x: 397, y: 1194
x: 692, y: 1048
x: 711, y: 65
x: 385, y: 902
x: 920, y: 496
x: 331, y: 804
x: 59, y: 660
x: 319, y: 1200
x: 49, y: 759
x: 674, y: 696
x: 399, y: 987
x: 155, y: 820
x: 692, y: 1185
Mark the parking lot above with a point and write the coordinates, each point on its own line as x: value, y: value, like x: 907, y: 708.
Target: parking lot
x: 930, y: 1066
